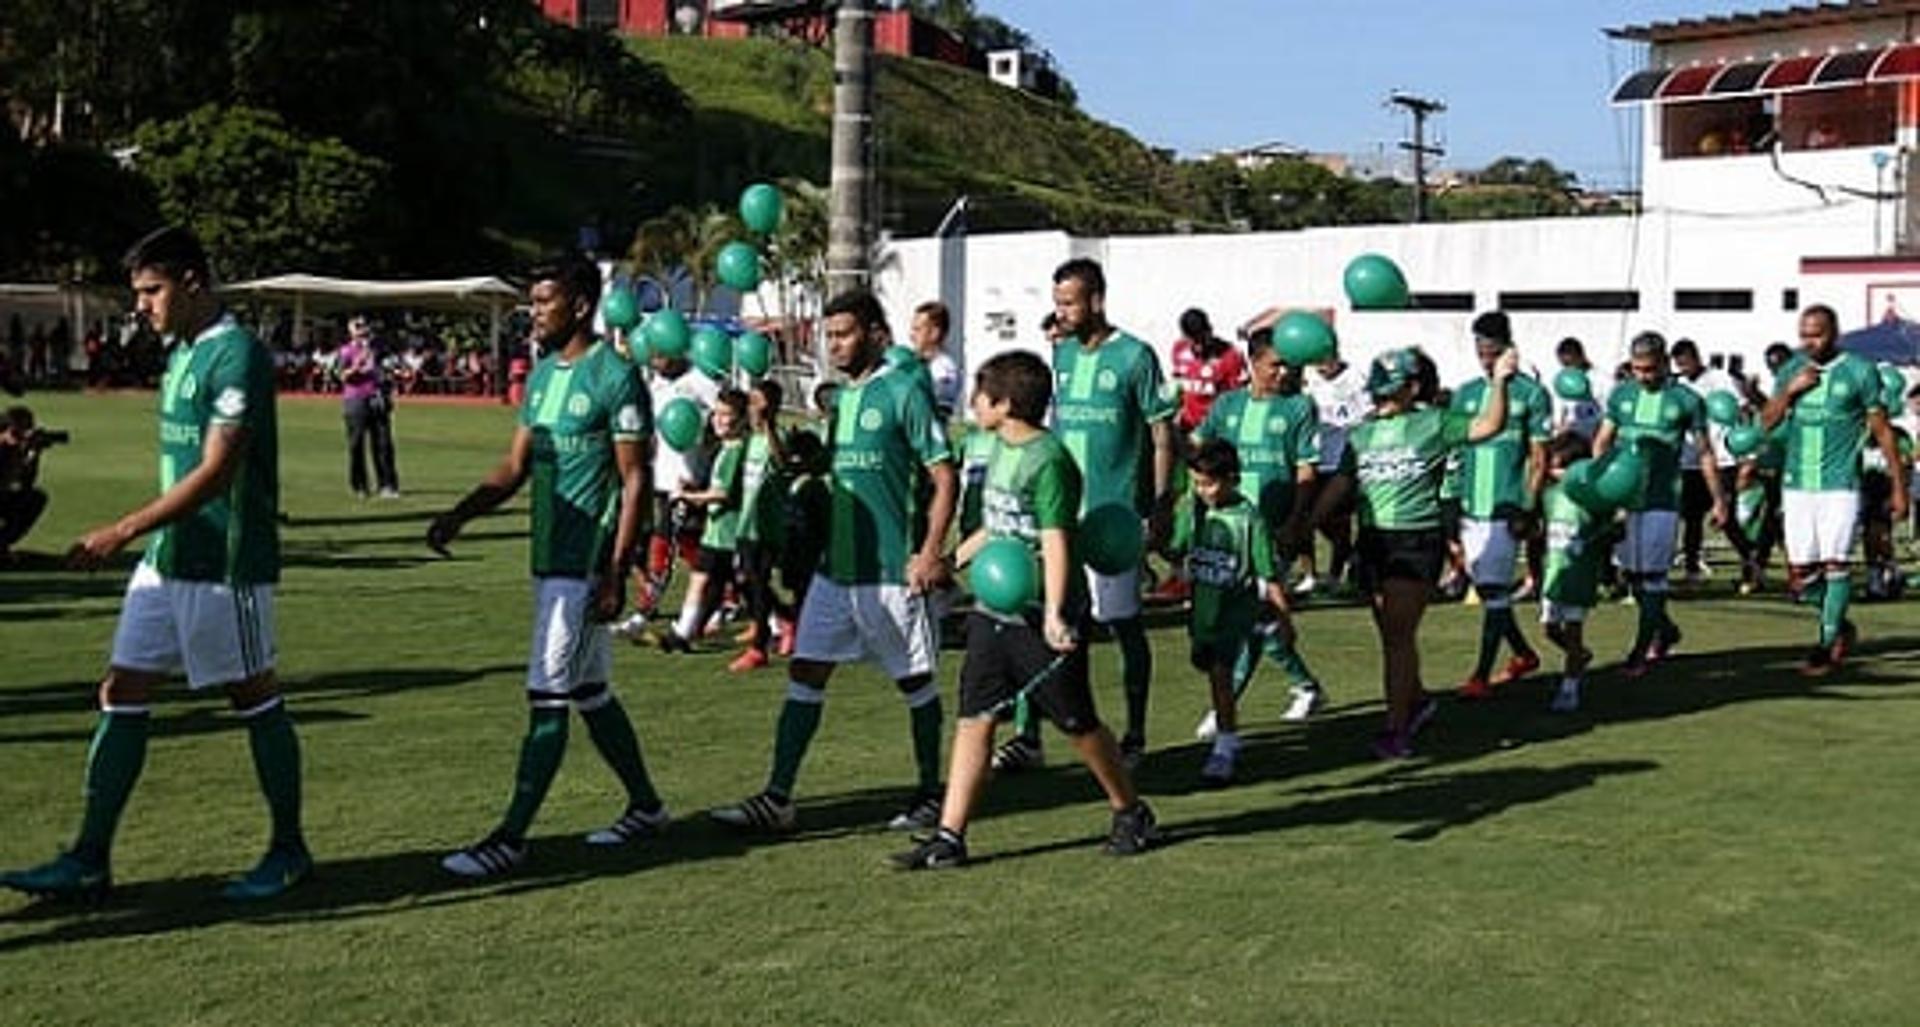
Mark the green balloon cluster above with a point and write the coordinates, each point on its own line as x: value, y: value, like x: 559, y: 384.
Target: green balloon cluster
x: 666, y: 334
x: 618, y: 310
x: 679, y: 424
x: 1375, y: 283
x: 1003, y: 577
x: 754, y: 353
x: 1620, y: 476
x: 712, y: 352
x: 1578, y: 484
x: 761, y: 207
x: 1302, y: 338
x: 1745, y: 440
x: 1109, y: 539
x: 1723, y: 408
x: 1572, y: 385
x: 738, y: 266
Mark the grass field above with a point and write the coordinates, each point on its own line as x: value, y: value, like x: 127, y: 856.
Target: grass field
x: 1719, y: 843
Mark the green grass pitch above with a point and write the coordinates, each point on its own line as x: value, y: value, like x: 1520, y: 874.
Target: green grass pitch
x: 1719, y: 843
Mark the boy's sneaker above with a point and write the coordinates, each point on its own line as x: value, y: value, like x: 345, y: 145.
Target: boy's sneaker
x: 922, y: 814
x: 1848, y: 638
x: 944, y: 850
x: 1306, y: 701
x: 1306, y: 586
x: 1392, y: 745
x: 67, y: 876
x: 1217, y: 772
x: 1017, y: 754
x: 1664, y: 644
x: 1133, y: 749
x: 634, y: 824
x: 746, y: 662
x: 1567, y: 698
x: 1476, y: 689
x: 1208, y: 727
x: 1519, y: 668
x: 489, y: 857
x: 1635, y: 666
x: 632, y: 629
x: 1134, y: 831
x: 671, y: 642
x: 765, y: 813
x: 277, y: 871
x: 1818, y: 664
x: 1423, y: 715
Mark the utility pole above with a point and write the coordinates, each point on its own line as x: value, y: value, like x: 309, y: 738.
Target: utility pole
x: 1421, y: 108
x: 850, y: 230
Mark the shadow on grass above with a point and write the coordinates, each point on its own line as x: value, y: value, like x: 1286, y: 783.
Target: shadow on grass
x: 78, y: 696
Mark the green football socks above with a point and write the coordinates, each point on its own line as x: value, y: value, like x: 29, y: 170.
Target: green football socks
x: 276, y: 761
x: 799, y: 719
x: 613, y: 735
x: 1136, y: 671
x: 114, y: 761
x: 540, y: 755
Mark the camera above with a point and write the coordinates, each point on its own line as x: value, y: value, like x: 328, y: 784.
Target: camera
x: 44, y: 438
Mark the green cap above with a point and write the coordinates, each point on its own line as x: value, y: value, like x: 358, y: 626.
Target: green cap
x: 1391, y: 371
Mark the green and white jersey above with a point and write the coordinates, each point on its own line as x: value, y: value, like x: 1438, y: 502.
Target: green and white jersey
x: 1104, y: 401
x: 1656, y: 420
x: 222, y: 377
x: 884, y: 433
x: 1274, y: 436
x: 1229, y: 552
x: 1398, y: 462
x: 1033, y: 487
x: 723, y: 518
x: 576, y: 412
x: 756, y: 474
x: 1576, y: 548
x: 1493, y: 472
x: 1827, y: 425
x: 975, y: 453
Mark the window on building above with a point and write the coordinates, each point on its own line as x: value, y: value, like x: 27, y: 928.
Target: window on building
x: 599, y: 14
x: 1003, y: 66
x: 1789, y: 299
x: 1523, y: 302
x: 1713, y: 299
x: 1827, y: 119
x: 1716, y: 128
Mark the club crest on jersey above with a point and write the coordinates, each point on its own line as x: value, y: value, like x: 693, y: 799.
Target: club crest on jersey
x: 1276, y: 425
x: 870, y: 420
x: 189, y: 387
x: 578, y: 405
x: 232, y: 402
x: 1107, y: 380
x: 628, y: 419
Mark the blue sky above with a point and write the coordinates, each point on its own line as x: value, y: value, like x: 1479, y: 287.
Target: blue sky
x: 1522, y: 77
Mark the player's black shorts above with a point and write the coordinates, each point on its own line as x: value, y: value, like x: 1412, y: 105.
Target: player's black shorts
x: 1876, y: 498
x: 1414, y: 555
x: 1004, y: 656
x: 714, y: 561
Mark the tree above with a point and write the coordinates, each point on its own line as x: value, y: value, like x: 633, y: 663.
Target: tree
x: 1536, y: 173
x: 264, y: 198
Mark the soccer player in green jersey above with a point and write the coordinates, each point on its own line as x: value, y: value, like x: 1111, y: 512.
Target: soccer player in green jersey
x: 1829, y: 401
x: 1499, y: 484
x: 1273, y: 428
x: 202, y: 598
x: 1575, y: 548
x: 1396, y: 459
x: 1652, y: 412
x: 871, y: 599
x: 582, y: 443
x: 1032, y: 494
x: 1116, y: 419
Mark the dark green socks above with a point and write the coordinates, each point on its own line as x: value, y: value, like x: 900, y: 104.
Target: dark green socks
x: 114, y: 760
x: 799, y: 719
x: 276, y: 761
x: 612, y: 733
x: 1136, y: 671
x: 540, y: 755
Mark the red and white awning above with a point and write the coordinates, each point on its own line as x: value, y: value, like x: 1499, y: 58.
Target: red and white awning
x: 1787, y: 74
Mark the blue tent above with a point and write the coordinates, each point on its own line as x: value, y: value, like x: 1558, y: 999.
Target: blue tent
x: 1890, y: 342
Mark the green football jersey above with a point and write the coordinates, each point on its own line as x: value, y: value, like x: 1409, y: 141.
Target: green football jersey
x: 884, y: 433
x: 1399, y: 462
x: 222, y: 378
x: 576, y: 412
x: 975, y: 453
x: 1229, y: 551
x: 756, y: 474
x: 1827, y: 425
x: 1033, y: 487
x: 1105, y: 399
x: 1492, y: 482
x: 1274, y: 436
x: 1576, y: 549
x: 723, y: 518
x: 1656, y: 420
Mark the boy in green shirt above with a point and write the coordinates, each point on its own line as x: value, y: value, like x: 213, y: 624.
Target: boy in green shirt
x: 1033, y: 494
x: 713, y: 568
x: 758, y: 539
x: 1576, y: 548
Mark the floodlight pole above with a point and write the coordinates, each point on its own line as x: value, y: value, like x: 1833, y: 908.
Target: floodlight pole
x: 850, y: 230
x: 1421, y: 108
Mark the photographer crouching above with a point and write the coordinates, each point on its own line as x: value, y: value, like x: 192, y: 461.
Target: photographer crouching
x: 21, y: 501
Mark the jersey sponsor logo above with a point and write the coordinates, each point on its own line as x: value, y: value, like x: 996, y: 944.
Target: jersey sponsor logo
x: 232, y: 402
x: 173, y: 433
x: 579, y: 405
x: 870, y: 420
x: 627, y: 419
x: 1401, y: 463
x: 1214, y: 566
x: 1075, y: 414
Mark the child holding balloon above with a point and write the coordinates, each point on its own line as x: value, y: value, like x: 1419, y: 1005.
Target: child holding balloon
x: 713, y: 565
x: 758, y: 537
x: 1576, y: 535
x: 1026, y: 635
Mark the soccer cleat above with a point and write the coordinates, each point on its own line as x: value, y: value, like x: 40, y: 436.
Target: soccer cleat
x: 671, y: 642
x: 1017, y: 754
x: 1392, y: 745
x: 1818, y: 664
x: 1843, y: 644
x: 1208, y: 727
x: 1423, y: 715
x: 766, y: 813
x: 1567, y: 698
x: 632, y: 629
x: 1305, y: 586
x: 1217, y: 772
x: 945, y: 850
x: 489, y: 857
x: 1134, y: 831
x: 1476, y: 689
x: 277, y: 871
x: 633, y: 825
x: 1133, y: 749
x: 1518, y: 668
x: 389, y: 493
x: 751, y: 660
x: 1307, y: 700
x: 67, y: 876
x: 920, y: 814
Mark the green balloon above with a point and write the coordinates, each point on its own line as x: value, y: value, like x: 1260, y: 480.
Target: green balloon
x: 1572, y: 385
x: 1723, y: 408
x: 1302, y: 338
x: 754, y: 353
x: 712, y: 351
x: 1620, y: 477
x: 680, y: 423
x: 1578, y: 484
x: 1109, y: 539
x: 1375, y: 283
x: 618, y: 310
x: 760, y: 207
x: 738, y: 265
x: 667, y: 335
x: 1745, y: 440
x: 1004, y: 578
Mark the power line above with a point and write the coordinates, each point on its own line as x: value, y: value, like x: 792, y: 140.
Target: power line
x: 1421, y: 109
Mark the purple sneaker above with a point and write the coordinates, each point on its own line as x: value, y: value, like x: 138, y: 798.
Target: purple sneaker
x: 1392, y: 745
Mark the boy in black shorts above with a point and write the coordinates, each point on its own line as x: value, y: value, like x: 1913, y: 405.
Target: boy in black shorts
x: 1032, y: 494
